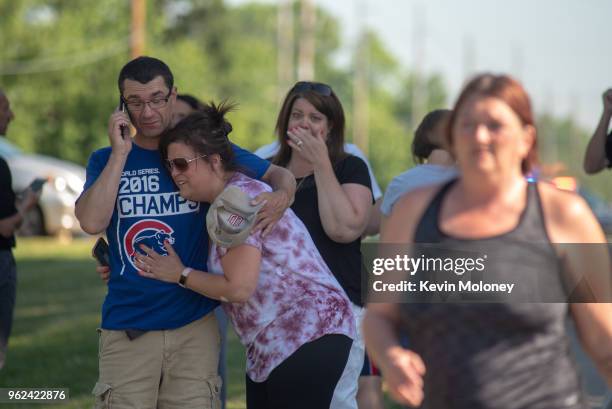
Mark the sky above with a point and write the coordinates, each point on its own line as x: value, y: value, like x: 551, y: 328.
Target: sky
x: 561, y: 50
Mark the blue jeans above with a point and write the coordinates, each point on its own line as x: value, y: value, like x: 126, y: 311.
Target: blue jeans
x: 8, y: 287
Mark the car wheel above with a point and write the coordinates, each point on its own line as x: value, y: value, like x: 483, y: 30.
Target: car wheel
x: 33, y: 223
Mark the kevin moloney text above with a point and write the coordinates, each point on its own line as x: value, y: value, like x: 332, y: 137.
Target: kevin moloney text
x: 428, y: 286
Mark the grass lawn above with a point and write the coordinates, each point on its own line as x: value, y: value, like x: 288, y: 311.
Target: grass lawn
x: 54, y: 341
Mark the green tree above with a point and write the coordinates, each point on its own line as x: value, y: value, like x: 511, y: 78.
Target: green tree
x: 57, y: 65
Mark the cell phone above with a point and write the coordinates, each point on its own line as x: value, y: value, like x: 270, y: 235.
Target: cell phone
x: 100, y: 252
x: 37, y: 184
x: 123, y: 108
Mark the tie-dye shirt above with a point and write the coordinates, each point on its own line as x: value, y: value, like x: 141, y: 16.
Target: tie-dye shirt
x: 297, y: 299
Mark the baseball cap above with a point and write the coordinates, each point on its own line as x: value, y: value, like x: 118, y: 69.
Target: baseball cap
x: 231, y: 217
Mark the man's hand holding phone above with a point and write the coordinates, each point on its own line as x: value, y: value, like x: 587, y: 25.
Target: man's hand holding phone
x: 119, y: 131
x: 103, y: 272
x: 32, y: 194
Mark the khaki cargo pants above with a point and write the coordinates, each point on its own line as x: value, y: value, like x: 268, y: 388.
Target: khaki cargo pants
x: 160, y: 369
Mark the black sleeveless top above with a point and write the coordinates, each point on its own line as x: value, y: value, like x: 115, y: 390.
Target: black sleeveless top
x: 496, y: 355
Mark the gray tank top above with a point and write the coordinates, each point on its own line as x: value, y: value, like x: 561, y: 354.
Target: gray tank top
x: 496, y: 355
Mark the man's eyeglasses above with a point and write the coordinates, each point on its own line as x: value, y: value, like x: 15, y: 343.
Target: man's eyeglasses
x: 155, y: 103
x: 317, y: 87
x: 181, y: 164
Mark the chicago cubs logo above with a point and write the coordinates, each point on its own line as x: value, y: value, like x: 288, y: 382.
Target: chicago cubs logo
x: 152, y: 233
x: 235, y: 220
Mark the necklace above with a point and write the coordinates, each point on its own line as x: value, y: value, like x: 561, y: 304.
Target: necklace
x: 299, y: 185
x: 299, y: 170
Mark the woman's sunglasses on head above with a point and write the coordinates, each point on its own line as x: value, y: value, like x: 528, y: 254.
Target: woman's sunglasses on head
x: 317, y: 87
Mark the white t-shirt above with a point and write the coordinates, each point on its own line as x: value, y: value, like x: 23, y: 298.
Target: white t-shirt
x: 413, y: 178
x: 269, y: 150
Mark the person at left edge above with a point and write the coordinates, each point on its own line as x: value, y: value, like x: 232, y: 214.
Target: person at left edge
x: 159, y: 345
x: 11, y: 217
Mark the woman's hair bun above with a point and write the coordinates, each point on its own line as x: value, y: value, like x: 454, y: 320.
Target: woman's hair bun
x: 217, y: 115
x: 227, y: 127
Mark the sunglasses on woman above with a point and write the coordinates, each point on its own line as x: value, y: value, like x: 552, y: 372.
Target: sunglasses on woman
x: 181, y: 164
x: 317, y: 87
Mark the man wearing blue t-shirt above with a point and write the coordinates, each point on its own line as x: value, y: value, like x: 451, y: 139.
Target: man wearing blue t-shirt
x: 159, y: 345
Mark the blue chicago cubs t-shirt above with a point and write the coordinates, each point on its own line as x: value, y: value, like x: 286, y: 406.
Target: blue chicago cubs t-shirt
x: 149, y: 210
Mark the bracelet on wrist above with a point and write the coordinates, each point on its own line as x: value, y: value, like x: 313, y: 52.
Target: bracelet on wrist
x: 183, y: 277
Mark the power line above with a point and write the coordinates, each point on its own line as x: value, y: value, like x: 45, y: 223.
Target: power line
x: 306, y: 52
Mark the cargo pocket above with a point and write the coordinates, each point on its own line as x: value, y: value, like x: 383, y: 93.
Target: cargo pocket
x: 214, y: 387
x: 102, y: 396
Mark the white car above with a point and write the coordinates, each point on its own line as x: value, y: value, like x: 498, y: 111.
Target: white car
x: 55, y: 211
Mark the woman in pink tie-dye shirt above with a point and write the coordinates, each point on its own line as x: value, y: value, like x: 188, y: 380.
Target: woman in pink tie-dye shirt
x: 284, y: 303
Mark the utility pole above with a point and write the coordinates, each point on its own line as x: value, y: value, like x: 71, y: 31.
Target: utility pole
x: 518, y: 63
x: 419, y: 36
x: 308, y: 19
x: 576, y: 148
x: 550, y: 110
x: 469, y: 58
x: 137, y: 38
x: 285, y: 41
x: 360, y: 87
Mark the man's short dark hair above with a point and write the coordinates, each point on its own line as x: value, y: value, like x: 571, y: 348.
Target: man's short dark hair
x: 145, y: 69
x: 190, y: 100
